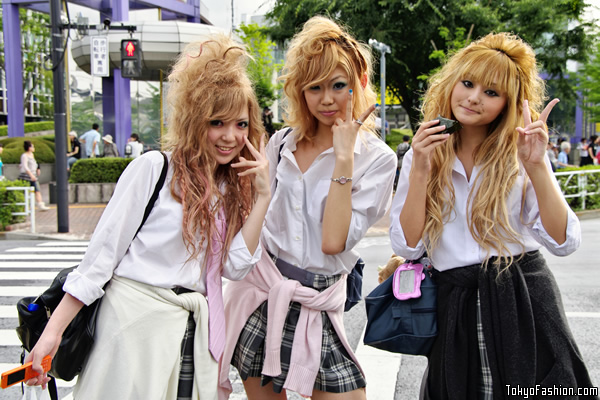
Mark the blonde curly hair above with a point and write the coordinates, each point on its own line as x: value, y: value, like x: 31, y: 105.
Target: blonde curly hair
x: 209, y: 82
x: 502, y: 60
x: 314, y: 53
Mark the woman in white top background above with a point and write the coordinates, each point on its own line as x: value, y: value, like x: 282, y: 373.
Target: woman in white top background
x: 331, y: 179
x: 29, y: 170
x: 215, y: 195
x: 481, y: 202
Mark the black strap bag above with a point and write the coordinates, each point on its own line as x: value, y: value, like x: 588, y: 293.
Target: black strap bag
x: 77, y: 340
x: 402, y: 322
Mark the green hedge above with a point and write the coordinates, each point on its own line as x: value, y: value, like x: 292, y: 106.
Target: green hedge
x: 13, y: 148
x: 31, y: 127
x: 8, y: 198
x: 98, y: 170
x: 394, y: 137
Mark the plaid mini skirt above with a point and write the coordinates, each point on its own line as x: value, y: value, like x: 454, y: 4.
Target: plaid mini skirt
x: 338, y: 373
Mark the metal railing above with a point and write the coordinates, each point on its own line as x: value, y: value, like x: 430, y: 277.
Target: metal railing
x: 28, y: 204
x: 578, y: 180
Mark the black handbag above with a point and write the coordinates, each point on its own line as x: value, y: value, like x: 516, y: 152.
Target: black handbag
x: 354, y: 285
x: 78, y: 338
x: 402, y: 326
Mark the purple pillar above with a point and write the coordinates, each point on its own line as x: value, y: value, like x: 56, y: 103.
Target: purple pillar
x: 116, y: 97
x: 578, y: 120
x: 14, y: 69
x: 196, y: 17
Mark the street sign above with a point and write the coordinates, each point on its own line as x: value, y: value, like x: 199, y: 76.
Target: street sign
x: 99, y: 56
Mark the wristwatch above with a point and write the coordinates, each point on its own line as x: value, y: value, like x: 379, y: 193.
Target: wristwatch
x: 341, y: 180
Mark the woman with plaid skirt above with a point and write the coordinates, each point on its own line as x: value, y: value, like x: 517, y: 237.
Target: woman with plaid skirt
x: 481, y: 202
x: 331, y: 180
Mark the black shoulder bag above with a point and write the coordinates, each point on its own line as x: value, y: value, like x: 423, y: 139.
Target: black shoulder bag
x: 77, y: 340
x: 355, y: 277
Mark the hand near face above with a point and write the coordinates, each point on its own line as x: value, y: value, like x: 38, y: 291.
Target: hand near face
x: 533, y: 138
x: 345, y: 131
x: 424, y: 143
x: 259, y: 167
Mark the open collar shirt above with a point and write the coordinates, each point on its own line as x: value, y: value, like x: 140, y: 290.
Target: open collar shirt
x: 457, y: 247
x: 294, y: 221
x: 157, y: 256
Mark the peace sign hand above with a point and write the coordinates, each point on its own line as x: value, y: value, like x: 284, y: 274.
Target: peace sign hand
x: 259, y: 167
x: 533, y: 138
x: 345, y: 131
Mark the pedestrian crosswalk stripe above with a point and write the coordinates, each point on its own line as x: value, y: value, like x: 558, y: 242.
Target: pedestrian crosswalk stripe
x: 8, y: 311
x: 58, y: 257
x: 8, y: 337
x: 47, y: 250
x: 37, y: 264
x: 22, y: 291
x: 24, y: 276
x: 60, y: 243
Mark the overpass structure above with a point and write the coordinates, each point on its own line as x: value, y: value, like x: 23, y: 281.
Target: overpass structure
x: 180, y: 21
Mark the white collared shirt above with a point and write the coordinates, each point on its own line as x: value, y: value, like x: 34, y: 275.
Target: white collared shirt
x: 457, y: 247
x: 293, y: 229
x: 157, y: 256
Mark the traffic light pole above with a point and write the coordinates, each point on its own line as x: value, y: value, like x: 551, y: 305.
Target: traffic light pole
x: 60, y: 126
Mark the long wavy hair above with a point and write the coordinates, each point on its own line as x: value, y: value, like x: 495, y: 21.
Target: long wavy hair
x: 314, y: 53
x: 209, y: 82
x: 508, y: 63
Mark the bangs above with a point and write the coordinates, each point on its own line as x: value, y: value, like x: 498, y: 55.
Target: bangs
x: 321, y: 65
x: 492, y: 69
x: 229, y: 103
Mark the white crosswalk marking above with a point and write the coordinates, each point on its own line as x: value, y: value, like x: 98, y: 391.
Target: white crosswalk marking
x: 23, y: 271
x: 47, y: 250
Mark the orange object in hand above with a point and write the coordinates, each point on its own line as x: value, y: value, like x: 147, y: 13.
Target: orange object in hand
x: 23, y: 373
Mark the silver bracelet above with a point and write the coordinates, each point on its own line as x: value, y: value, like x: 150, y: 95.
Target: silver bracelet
x: 341, y: 180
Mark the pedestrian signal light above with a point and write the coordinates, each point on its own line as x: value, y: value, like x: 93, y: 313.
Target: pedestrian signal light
x: 131, y: 58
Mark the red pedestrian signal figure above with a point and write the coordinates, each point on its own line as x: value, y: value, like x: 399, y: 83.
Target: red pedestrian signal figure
x: 131, y: 58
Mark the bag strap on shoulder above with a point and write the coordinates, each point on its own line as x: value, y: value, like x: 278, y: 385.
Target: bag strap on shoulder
x: 157, y: 188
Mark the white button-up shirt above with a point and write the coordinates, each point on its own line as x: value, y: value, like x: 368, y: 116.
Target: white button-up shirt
x: 457, y: 247
x: 293, y: 229
x: 157, y: 256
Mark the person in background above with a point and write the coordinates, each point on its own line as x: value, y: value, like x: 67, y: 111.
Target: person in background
x: 75, y: 153
x: 91, y: 142
x: 400, y: 152
x: 134, y: 148
x: 154, y: 338
x: 551, y: 152
x: 481, y: 202
x: 1, y: 165
x: 584, y: 153
x: 110, y: 148
x: 563, y: 156
x: 267, y: 119
x: 29, y: 171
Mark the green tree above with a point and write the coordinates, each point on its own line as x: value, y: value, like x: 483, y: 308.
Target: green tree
x: 263, y: 66
x: 412, y: 30
x: 588, y: 78
x: 83, y: 116
x: 35, y: 42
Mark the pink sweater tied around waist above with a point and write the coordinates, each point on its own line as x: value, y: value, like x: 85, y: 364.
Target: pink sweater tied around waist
x: 265, y: 282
